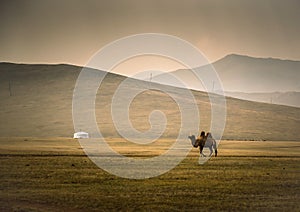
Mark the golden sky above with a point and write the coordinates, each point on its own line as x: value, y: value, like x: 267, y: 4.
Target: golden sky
x: 71, y: 31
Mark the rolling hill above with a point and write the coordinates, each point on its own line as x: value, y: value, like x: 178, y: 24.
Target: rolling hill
x: 36, y: 101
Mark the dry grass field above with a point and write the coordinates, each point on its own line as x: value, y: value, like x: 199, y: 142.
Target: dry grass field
x: 53, y: 174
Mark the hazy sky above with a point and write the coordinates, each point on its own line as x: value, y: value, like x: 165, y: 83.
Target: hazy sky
x: 71, y: 31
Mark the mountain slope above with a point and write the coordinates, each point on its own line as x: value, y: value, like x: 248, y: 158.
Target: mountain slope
x: 248, y: 74
x: 36, y: 101
x: 242, y: 74
x: 291, y: 98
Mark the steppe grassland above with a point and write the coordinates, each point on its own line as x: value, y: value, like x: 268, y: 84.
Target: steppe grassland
x: 54, y: 174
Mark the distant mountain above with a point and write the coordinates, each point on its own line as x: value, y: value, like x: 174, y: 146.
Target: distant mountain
x: 36, y: 101
x: 243, y: 74
x: 248, y: 74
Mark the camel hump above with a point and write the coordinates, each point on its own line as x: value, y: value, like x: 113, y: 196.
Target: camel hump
x: 201, y: 140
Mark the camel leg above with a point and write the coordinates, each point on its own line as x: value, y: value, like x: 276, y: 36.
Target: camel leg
x: 201, y: 151
x: 211, y: 151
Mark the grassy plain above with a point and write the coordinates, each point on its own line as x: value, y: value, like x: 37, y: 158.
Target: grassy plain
x: 53, y: 174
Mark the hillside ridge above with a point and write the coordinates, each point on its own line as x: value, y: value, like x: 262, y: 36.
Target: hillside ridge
x: 41, y: 106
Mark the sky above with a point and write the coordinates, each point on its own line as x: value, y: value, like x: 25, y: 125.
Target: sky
x: 72, y: 31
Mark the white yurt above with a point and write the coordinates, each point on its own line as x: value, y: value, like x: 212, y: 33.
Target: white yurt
x: 81, y: 135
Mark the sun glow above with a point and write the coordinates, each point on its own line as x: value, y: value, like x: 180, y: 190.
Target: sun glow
x: 135, y: 65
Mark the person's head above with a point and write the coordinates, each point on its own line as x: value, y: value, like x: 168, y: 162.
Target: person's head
x: 208, y: 135
x: 202, y: 134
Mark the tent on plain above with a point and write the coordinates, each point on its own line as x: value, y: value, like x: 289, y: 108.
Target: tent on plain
x: 81, y: 135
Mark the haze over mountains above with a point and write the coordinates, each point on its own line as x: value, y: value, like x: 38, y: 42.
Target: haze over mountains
x: 257, y: 79
x: 36, y: 101
x: 248, y: 74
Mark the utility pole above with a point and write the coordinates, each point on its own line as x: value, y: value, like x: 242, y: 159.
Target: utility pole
x: 9, y: 88
x: 150, y: 79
